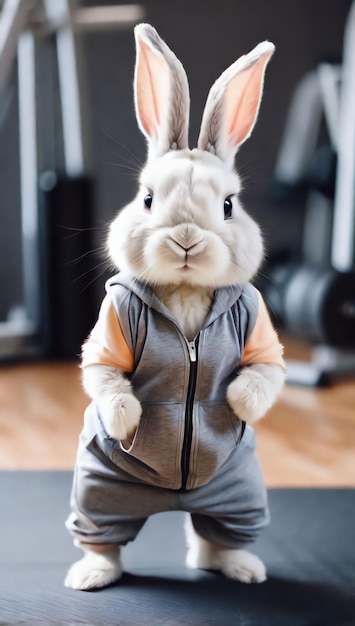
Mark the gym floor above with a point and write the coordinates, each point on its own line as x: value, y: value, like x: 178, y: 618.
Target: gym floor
x: 307, y: 439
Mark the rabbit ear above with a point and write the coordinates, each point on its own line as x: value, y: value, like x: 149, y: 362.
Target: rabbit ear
x: 233, y: 103
x: 161, y: 93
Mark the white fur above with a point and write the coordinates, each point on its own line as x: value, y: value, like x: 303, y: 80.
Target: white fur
x: 95, y: 569
x: 255, y: 390
x: 190, y: 306
x: 239, y: 564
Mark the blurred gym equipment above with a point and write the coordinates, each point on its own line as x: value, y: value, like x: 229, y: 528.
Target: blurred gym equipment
x: 56, y: 183
x: 314, y: 300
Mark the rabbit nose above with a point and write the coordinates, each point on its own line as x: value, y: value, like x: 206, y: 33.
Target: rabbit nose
x: 187, y: 236
x: 186, y: 241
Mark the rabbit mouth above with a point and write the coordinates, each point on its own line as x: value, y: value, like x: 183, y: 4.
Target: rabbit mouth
x: 192, y: 260
x: 185, y: 268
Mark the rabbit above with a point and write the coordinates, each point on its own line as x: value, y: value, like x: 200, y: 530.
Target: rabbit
x: 174, y: 320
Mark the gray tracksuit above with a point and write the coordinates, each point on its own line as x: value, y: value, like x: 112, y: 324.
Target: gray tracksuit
x: 190, y: 451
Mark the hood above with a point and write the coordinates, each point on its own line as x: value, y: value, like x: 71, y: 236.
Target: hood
x: 224, y: 298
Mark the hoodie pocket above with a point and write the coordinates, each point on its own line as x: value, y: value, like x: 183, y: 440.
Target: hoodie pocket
x: 218, y: 432
x: 154, y: 453
x: 218, y: 422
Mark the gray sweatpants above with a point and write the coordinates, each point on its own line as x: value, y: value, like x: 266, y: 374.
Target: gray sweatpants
x: 110, y: 506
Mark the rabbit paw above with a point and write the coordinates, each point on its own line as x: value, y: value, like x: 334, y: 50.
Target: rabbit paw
x: 235, y: 564
x: 120, y: 414
x: 94, y: 570
x: 242, y: 565
x: 249, y: 396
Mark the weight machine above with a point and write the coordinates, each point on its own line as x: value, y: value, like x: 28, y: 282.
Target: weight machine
x: 55, y: 190
x: 315, y: 300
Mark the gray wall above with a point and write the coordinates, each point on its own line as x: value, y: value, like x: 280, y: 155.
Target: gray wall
x: 207, y: 36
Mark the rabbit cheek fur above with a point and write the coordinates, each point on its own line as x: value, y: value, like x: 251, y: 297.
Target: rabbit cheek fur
x: 184, y: 244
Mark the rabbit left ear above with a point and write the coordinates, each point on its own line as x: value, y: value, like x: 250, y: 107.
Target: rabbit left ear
x: 233, y: 104
x: 161, y: 93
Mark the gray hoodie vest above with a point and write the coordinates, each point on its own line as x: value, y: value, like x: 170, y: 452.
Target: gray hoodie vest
x: 187, y: 430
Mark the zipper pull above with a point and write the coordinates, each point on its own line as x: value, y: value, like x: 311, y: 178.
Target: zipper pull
x: 192, y: 351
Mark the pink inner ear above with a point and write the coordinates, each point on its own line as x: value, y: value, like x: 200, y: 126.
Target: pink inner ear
x: 242, y: 100
x: 152, y: 89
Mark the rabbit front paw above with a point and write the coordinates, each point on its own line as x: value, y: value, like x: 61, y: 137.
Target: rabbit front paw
x: 249, y: 397
x: 121, y: 415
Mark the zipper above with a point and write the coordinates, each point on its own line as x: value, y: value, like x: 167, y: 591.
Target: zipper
x: 186, y: 446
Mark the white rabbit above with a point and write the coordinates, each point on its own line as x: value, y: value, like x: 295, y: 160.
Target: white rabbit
x: 186, y: 238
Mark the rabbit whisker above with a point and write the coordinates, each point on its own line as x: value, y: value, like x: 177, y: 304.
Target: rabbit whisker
x: 121, y: 145
x: 91, y: 269
x: 84, y: 255
x: 92, y: 281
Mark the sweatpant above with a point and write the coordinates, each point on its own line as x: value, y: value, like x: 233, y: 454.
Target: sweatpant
x: 110, y: 506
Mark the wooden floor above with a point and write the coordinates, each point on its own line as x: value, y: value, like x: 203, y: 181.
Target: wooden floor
x: 307, y: 439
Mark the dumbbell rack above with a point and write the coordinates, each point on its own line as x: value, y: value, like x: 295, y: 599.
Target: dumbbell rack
x: 327, y: 365
x: 319, y: 93
x: 27, y: 29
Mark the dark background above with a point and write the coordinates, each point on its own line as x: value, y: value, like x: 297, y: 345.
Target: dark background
x: 207, y: 36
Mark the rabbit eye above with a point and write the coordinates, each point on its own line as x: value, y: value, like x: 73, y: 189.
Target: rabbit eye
x: 148, y: 201
x: 228, y: 208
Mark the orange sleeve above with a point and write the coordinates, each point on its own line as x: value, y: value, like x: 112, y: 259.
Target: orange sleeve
x: 263, y: 345
x: 106, y: 344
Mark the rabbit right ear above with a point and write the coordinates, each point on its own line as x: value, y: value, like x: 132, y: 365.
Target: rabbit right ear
x: 161, y: 93
x: 233, y: 104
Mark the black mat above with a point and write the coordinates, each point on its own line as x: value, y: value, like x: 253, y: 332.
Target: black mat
x: 309, y: 550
